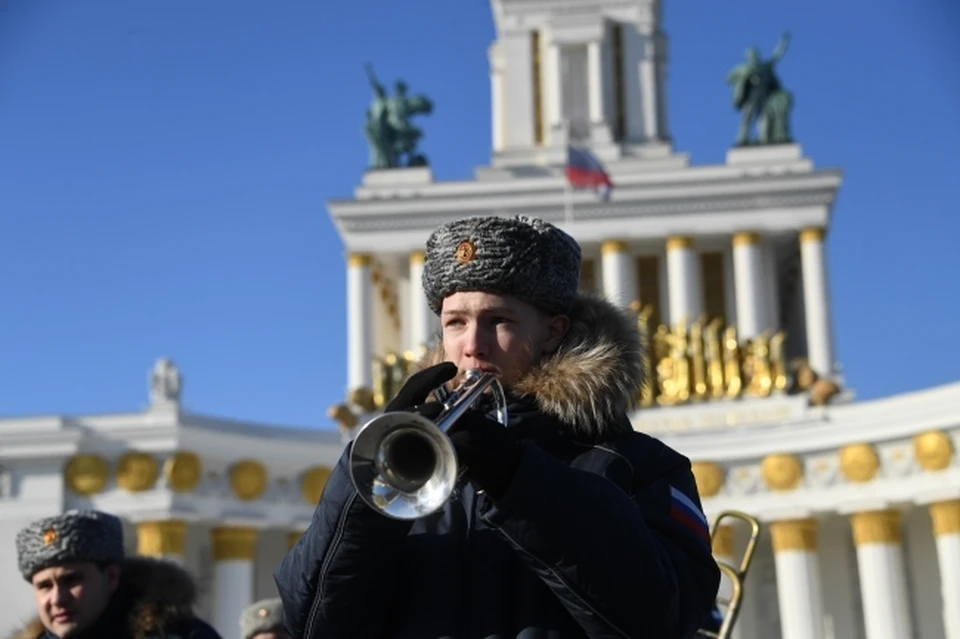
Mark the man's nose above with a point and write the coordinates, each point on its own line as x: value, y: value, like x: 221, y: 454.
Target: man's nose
x: 475, y: 343
x: 60, y: 595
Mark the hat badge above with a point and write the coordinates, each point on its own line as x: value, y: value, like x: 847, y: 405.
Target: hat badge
x: 262, y: 612
x: 465, y: 252
x: 49, y: 536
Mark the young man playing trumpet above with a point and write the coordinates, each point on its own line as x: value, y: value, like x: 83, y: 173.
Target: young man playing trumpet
x: 569, y: 523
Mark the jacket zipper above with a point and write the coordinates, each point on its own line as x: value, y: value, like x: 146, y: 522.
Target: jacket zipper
x: 337, y: 537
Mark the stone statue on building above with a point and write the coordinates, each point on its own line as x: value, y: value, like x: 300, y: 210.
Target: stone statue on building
x: 391, y: 138
x: 760, y: 97
x: 166, y: 383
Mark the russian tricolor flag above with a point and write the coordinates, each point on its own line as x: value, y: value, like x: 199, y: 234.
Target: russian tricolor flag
x: 585, y: 171
x: 684, y: 511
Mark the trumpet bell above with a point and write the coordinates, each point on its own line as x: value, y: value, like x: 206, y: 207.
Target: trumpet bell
x: 402, y: 465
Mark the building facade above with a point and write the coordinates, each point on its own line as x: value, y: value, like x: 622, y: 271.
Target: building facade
x: 723, y: 266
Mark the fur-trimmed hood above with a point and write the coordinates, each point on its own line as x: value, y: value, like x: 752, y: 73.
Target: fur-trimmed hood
x: 162, y: 595
x: 593, y: 379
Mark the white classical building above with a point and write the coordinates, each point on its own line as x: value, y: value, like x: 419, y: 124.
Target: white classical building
x: 724, y: 267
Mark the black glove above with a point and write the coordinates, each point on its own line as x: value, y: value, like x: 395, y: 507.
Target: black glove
x: 487, y: 451
x: 414, y: 392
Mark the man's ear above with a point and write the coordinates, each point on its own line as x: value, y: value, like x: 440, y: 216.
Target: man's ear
x: 113, y: 576
x: 557, y: 327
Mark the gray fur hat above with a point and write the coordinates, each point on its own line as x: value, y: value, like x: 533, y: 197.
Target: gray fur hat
x: 75, y: 535
x: 263, y: 616
x: 520, y: 256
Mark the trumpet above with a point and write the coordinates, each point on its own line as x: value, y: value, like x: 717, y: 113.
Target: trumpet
x: 403, y: 465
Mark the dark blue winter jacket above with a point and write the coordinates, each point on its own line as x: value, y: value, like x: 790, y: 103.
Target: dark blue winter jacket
x: 600, y: 533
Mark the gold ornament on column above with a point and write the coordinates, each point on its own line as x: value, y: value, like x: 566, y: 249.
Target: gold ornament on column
x: 137, y: 471
x: 182, y: 471
x: 933, y: 450
x: 161, y: 538
x: 781, y: 472
x: 794, y: 534
x: 248, y: 478
x: 234, y: 543
x: 876, y: 527
x: 946, y: 517
x: 709, y: 478
x: 613, y: 246
x: 359, y: 259
x: 86, y: 474
x: 859, y: 462
x: 813, y: 234
x: 312, y: 483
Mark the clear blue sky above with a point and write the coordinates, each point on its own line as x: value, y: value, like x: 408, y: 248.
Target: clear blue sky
x: 164, y: 168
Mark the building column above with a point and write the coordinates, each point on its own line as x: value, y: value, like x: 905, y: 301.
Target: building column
x: 799, y: 588
x: 554, y: 86
x: 359, y: 322
x: 421, y: 317
x: 748, y: 284
x: 946, y: 529
x: 234, y: 549
x: 883, y: 584
x: 683, y: 280
x: 619, y: 275
x: 816, y: 301
x: 595, y: 80
x: 164, y: 539
x: 649, y: 81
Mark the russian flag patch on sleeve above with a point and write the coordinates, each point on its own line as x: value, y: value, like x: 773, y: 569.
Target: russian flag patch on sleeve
x: 684, y: 511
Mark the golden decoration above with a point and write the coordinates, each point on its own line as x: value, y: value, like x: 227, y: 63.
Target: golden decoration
x: 312, y: 483
x: 182, y: 471
x: 248, y: 478
x: 781, y: 472
x: 49, y: 536
x: 86, y: 474
x: 679, y: 242
x: 465, y: 252
x: 613, y: 246
x: 359, y: 259
x: 723, y: 541
x: 933, y: 450
x: 263, y: 612
x: 876, y: 527
x: 946, y: 517
x: 706, y: 361
x: 234, y: 543
x: 794, y: 534
x: 342, y: 414
x: 822, y: 390
x: 804, y: 377
x: 161, y: 538
x: 389, y: 374
x: 136, y: 471
x: 709, y: 478
x: 417, y: 257
x: 362, y: 397
x: 859, y: 462
x: 745, y: 238
x: 815, y: 234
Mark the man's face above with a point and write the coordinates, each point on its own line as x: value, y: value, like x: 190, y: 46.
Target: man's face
x: 70, y: 598
x: 497, y: 333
